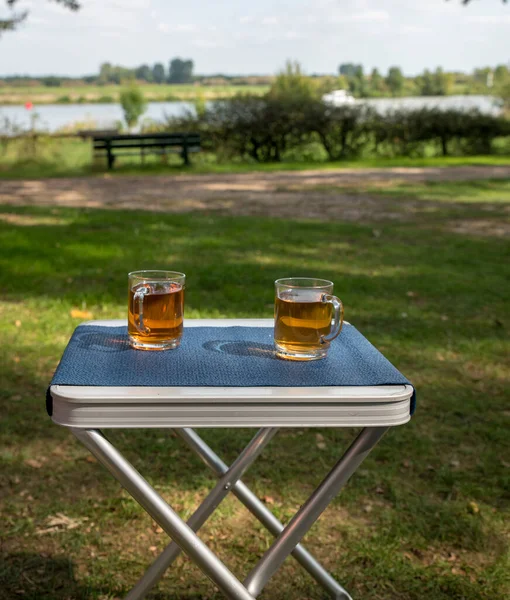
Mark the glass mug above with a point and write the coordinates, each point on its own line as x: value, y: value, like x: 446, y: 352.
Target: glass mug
x: 307, y: 318
x: 155, y: 309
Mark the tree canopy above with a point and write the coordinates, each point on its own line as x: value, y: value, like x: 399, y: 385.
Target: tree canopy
x: 180, y: 71
x: 17, y: 17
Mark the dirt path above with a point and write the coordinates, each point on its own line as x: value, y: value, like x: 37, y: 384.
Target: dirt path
x: 280, y: 194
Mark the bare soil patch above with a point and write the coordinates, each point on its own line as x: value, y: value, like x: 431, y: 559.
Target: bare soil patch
x: 280, y: 194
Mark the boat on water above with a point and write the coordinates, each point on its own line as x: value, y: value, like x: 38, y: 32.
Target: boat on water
x: 338, y: 98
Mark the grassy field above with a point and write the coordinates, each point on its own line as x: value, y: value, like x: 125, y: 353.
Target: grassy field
x: 427, y: 515
x: 67, y: 157
x: 110, y: 93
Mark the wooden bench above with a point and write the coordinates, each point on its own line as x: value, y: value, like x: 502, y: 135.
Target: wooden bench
x: 112, y: 146
x: 87, y: 134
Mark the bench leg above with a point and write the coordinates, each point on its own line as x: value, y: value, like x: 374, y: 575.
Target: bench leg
x: 185, y: 153
x: 111, y: 159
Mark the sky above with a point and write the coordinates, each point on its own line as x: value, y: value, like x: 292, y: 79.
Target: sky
x: 258, y: 36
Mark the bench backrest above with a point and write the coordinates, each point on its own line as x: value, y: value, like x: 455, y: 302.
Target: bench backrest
x: 146, y: 140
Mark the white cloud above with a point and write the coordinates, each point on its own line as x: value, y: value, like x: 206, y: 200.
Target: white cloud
x: 270, y: 21
x: 412, y: 29
x: 179, y: 28
x: 209, y: 43
x: 364, y: 17
x: 40, y: 20
x: 293, y: 35
x: 110, y: 34
x: 489, y: 19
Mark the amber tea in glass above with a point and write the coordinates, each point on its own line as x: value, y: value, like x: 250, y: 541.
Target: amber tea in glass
x: 155, y: 309
x: 307, y: 318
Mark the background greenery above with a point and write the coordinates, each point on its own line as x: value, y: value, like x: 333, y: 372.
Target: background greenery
x: 179, y: 74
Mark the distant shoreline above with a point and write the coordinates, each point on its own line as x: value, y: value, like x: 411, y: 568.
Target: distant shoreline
x: 109, y: 94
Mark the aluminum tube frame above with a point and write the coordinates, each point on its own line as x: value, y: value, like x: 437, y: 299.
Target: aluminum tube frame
x: 165, y: 516
x: 184, y: 536
x: 312, y: 509
x: 220, y: 491
x: 262, y: 513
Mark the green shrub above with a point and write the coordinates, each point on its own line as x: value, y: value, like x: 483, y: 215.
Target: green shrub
x: 133, y: 104
x: 282, y: 124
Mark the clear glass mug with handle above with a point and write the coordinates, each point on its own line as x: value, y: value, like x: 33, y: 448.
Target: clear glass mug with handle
x: 155, y: 309
x: 307, y: 318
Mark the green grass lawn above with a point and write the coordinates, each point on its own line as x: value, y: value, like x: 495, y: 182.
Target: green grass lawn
x: 426, y: 516
x: 68, y: 157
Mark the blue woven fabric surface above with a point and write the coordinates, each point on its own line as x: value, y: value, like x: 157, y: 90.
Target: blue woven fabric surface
x: 221, y: 357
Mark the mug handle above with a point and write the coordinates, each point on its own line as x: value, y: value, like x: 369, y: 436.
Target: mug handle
x: 138, y: 297
x: 338, y: 319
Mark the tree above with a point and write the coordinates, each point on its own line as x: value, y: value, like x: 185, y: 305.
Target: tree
x: 377, y: 86
x: 357, y: 82
x: 18, y: 17
x: 180, y: 71
x: 292, y: 85
x: 433, y: 84
x: 395, y: 81
x: 144, y: 72
x: 349, y: 69
x: 158, y: 73
x: 105, y: 73
x: 133, y: 104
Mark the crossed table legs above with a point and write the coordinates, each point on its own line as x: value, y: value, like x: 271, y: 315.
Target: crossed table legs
x: 184, y: 536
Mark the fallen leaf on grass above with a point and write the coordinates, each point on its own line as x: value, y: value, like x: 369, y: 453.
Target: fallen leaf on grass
x: 268, y: 499
x: 81, y: 314
x: 473, y: 508
x: 17, y: 323
x: 58, y: 522
x: 35, y: 464
x: 321, y: 444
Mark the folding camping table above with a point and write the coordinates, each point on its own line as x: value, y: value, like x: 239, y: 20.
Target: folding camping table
x: 85, y: 410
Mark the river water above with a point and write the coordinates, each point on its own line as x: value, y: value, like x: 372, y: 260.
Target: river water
x: 54, y: 117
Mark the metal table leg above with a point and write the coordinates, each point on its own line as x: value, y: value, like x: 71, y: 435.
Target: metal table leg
x: 312, y: 509
x: 262, y: 513
x: 159, y: 510
x: 204, y: 511
x: 185, y: 538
